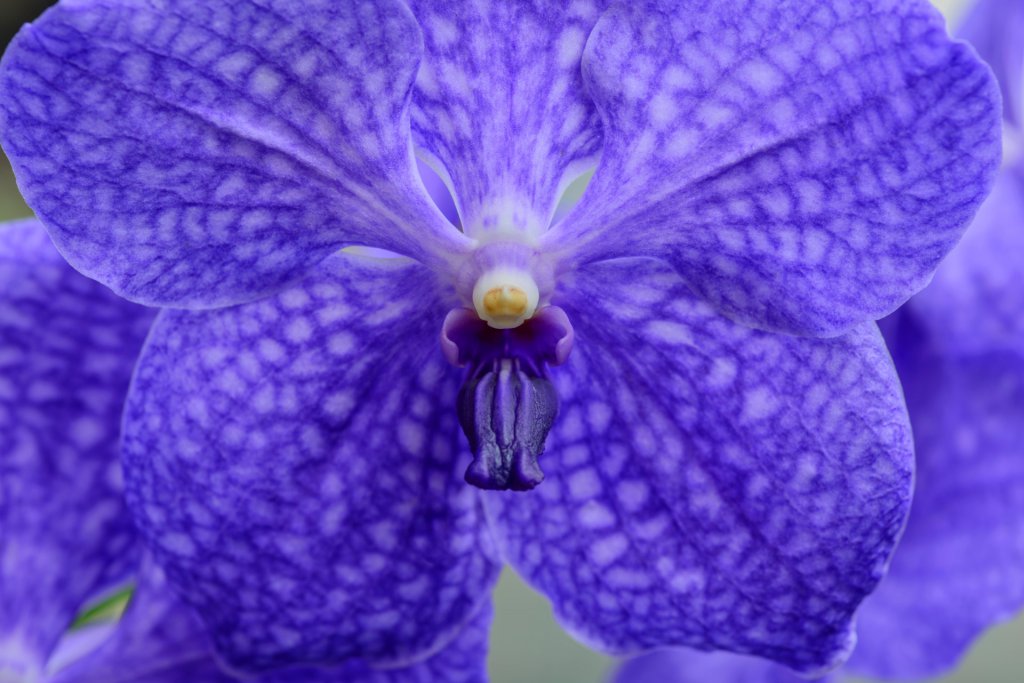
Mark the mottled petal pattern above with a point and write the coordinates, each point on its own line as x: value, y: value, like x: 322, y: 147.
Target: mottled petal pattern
x: 960, y: 565
x: 297, y: 466
x: 996, y: 30
x: 67, y: 349
x: 500, y: 105
x: 975, y: 303
x: 690, y: 666
x: 162, y: 640
x: 464, y: 660
x: 709, y: 485
x: 803, y: 165
x: 198, y: 153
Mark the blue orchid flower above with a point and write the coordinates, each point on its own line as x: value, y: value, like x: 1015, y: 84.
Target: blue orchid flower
x: 67, y: 349
x: 959, y: 349
x: 294, y: 446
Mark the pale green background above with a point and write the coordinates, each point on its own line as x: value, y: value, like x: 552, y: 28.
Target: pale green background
x: 527, y: 646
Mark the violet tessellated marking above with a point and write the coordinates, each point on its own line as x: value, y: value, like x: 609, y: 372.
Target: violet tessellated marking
x: 509, y: 123
x: 712, y: 472
x: 65, y: 532
x: 213, y: 387
x: 958, y: 347
x: 300, y: 457
x: 959, y: 568
x: 161, y: 640
x: 784, y: 156
x: 220, y: 148
x: 67, y: 348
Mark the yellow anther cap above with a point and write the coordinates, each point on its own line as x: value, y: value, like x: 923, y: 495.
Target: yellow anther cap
x: 505, y: 298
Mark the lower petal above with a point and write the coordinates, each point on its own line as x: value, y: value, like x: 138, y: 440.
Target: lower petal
x: 162, y: 640
x: 296, y: 465
x: 67, y: 349
x: 709, y: 485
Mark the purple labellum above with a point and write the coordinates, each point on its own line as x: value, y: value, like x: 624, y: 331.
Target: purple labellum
x: 507, y: 405
x: 506, y: 413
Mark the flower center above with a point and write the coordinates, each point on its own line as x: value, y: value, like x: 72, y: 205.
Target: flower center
x: 505, y: 334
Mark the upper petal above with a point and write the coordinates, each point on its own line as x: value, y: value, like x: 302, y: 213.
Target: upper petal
x: 200, y: 153
x: 160, y: 639
x: 296, y: 464
x: 803, y: 165
x: 710, y: 485
x: 501, y: 107
x: 67, y: 349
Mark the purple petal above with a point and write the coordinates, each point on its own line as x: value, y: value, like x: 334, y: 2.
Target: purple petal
x: 162, y: 640
x: 690, y: 666
x: 996, y: 30
x: 960, y: 566
x: 975, y: 304
x: 67, y: 349
x: 500, y: 105
x: 297, y: 466
x: 464, y: 660
x: 803, y: 166
x: 205, y: 153
x: 709, y: 485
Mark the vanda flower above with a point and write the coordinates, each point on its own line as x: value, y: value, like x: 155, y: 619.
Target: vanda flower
x: 959, y: 349
x: 67, y: 347
x: 295, y: 462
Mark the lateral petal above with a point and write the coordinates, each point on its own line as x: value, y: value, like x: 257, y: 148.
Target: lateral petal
x: 803, y: 166
x: 708, y: 485
x: 296, y: 466
x: 202, y: 153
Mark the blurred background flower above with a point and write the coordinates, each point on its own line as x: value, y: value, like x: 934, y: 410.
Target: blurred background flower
x: 526, y: 643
